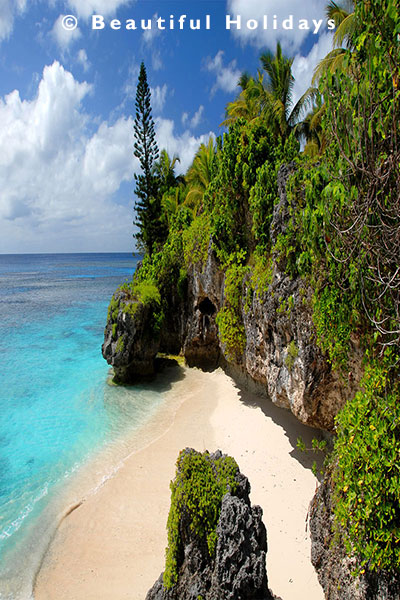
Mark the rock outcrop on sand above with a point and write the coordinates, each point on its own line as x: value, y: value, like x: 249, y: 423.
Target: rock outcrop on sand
x: 130, y: 345
x: 281, y: 356
x: 237, y: 571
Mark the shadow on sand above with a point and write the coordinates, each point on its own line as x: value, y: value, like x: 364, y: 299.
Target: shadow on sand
x: 292, y: 427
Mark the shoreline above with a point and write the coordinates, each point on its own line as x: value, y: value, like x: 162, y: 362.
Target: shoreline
x: 113, y: 543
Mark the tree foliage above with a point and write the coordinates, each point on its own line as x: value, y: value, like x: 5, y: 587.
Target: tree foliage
x: 363, y: 115
x: 148, y: 205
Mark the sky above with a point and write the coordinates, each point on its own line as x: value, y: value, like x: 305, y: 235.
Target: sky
x: 67, y: 94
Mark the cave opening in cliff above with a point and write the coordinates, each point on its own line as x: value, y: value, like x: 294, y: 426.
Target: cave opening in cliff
x: 206, y: 307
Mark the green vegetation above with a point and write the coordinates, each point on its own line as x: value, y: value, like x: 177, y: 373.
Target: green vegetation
x: 260, y: 274
x: 196, y: 239
x: 367, y: 476
x: 196, y: 496
x: 113, y: 309
x: 120, y: 345
x: 292, y: 354
x: 341, y: 238
x: 138, y: 292
x: 147, y: 293
x: 229, y: 318
x: 316, y: 446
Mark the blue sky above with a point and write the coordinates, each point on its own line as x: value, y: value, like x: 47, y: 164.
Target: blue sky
x: 67, y: 103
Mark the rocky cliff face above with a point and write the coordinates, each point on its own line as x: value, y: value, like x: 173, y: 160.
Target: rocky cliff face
x: 281, y: 355
x: 238, y: 571
x: 130, y: 344
x: 331, y: 561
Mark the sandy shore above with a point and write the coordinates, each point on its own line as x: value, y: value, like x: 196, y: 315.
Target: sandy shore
x: 112, y: 545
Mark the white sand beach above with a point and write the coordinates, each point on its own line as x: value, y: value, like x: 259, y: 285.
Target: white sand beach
x: 111, y: 546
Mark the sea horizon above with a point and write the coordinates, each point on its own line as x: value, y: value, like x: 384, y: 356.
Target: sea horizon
x: 132, y: 253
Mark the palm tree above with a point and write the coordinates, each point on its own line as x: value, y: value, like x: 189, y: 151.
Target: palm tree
x: 171, y: 202
x: 199, y: 174
x: 310, y: 128
x: 270, y: 95
x: 251, y: 101
x: 169, y: 185
x: 280, y: 88
x: 345, y: 22
x: 164, y: 170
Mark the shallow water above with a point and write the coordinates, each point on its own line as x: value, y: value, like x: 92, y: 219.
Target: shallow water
x: 56, y: 409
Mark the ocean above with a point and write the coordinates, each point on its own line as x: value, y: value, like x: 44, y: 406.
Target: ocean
x: 57, y: 407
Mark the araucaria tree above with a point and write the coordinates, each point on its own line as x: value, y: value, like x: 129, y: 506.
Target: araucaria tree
x: 148, y: 205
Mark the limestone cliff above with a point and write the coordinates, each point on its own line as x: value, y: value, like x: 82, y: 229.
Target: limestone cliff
x: 281, y: 355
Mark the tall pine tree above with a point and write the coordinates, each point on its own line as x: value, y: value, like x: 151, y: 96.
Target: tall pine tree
x: 148, y: 206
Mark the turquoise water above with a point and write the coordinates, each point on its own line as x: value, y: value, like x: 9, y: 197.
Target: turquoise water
x: 56, y: 409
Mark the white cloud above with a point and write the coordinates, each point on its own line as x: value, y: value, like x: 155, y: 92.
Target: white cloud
x: 197, y: 117
x: 63, y: 37
x: 149, y: 35
x: 303, y: 66
x: 158, y: 98
x: 291, y: 39
x: 227, y: 76
x: 83, y: 59
x: 185, y: 145
x: 108, y: 157
x: 195, y: 120
x: 61, y: 174
x: 107, y: 8
x: 156, y: 61
x: 8, y: 10
x: 59, y: 179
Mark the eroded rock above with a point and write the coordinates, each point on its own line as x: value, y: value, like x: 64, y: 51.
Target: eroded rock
x: 237, y: 571
x: 130, y: 343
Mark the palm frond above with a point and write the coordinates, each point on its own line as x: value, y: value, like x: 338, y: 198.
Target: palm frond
x: 306, y: 102
x: 338, y: 12
x: 329, y: 63
x: 345, y: 32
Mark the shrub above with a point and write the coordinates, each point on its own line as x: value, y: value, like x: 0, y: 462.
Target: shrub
x: 367, y: 476
x: 147, y: 293
x: 334, y: 322
x: 261, y: 274
x: 229, y: 319
x: 196, y: 240
x: 292, y: 354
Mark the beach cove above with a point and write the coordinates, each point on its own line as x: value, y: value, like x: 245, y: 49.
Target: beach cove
x: 111, y: 543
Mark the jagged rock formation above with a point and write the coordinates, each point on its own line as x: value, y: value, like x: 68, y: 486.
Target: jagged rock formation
x: 130, y: 345
x: 281, y: 355
x: 238, y: 571
x: 334, y: 566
